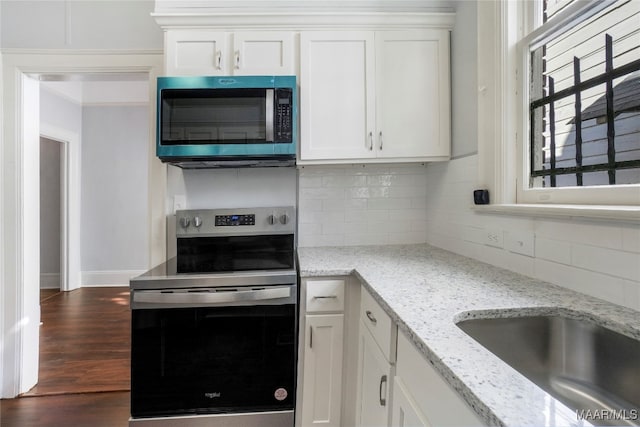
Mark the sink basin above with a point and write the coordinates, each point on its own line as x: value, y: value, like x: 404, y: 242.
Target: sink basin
x: 586, y: 366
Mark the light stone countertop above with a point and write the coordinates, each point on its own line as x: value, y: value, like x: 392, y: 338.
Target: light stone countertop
x: 427, y: 290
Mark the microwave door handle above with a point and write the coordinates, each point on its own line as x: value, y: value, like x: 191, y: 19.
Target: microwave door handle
x: 269, y: 104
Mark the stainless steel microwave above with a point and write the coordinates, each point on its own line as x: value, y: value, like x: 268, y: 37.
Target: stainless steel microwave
x: 227, y: 121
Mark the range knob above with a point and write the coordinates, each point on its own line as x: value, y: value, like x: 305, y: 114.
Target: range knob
x: 197, y: 221
x: 284, y: 219
x: 272, y: 220
x: 184, y: 222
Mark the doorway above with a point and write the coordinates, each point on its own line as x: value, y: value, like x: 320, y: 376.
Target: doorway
x: 53, y: 176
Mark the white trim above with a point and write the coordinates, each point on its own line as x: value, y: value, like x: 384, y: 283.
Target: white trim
x: 626, y: 214
x: 108, y: 278
x: 18, y: 297
x: 503, y: 156
x: 50, y: 281
x: 304, y: 20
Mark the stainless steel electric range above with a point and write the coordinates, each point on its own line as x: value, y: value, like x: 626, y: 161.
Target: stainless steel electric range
x: 214, y: 330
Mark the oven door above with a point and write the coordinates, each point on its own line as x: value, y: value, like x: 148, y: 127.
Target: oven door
x: 221, y: 358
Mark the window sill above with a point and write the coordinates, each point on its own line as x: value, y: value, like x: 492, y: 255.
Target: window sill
x: 628, y: 214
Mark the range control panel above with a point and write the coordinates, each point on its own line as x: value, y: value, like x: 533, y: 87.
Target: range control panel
x: 234, y: 220
x: 211, y: 222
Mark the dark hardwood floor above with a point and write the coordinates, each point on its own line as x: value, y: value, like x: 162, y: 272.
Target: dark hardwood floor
x: 84, y: 377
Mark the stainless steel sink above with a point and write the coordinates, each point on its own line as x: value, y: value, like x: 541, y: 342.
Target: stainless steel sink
x: 584, y: 365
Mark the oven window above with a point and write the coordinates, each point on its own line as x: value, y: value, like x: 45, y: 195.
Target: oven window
x: 210, y: 116
x: 235, y: 253
x: 213, y: 360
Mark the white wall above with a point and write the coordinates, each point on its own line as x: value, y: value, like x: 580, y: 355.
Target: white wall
x: 115, y: 242
x: 601, y: 258
x: 60, y: 113
x: 227, y: 188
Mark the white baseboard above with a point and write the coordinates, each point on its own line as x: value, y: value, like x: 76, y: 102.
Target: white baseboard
x: 49, y: 280
x: 108, y: 278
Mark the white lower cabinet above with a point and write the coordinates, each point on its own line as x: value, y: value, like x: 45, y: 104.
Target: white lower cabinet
x: 422, y: 398
x: 321, y: 353
x: 376, y: 375
x: 322, y: 388
x: 405, y: 411
x: 377, y: 352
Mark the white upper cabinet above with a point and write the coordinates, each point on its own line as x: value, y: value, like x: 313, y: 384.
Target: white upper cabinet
x: 219, y: 53
x: 376, y: 96
x: 412, y: 94
x: 263, y: 53
x: 194, y: 52
x: 337, y: 92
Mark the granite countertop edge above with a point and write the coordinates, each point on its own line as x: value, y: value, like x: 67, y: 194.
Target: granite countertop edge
x: 443, y: 277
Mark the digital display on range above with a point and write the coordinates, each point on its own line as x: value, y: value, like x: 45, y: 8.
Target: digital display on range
x: 235, y: 220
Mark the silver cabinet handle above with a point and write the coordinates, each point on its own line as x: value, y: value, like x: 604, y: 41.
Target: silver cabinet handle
x: 310, y: 336
x: 383, y: 400
x: 219, y: 60
x: 380, y: 138
x: 370, y: 141
x: 371, y: 317
x: 326, y: 297
x: 237, y: 59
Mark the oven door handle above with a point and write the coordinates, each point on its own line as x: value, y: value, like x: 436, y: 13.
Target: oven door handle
x: 199, y: 298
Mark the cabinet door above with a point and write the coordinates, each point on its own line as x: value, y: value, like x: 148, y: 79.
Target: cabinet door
x: 194, y: 53
x: 263, y: 53
x: 375, y: 383
x: 337, y: 95
x: 404, y: 411
x: 322, y: 386
x: 413, y: 111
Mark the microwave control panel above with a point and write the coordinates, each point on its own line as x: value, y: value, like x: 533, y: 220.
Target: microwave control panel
x: 283, y: 128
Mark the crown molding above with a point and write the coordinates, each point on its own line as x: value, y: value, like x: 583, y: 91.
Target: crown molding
x: 302, y: 20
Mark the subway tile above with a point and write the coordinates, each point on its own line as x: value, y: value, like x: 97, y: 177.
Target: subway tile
x: 389, y: 203
x: 603, y: 286
x: 310, y: 228
x: 603, y: 235
x: 631, y: 238
x: 344, y: 181
x: 407, y: 238
x: 310, y: 181
x: 609, y: 261
x: 333, y: 204
x: 322, y: 193
x: 309, y: 205
x: 553, y: 250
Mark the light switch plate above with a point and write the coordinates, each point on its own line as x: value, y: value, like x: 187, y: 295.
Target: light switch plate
x: 520, y: 242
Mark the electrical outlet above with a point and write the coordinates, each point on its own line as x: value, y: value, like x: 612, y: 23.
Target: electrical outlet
x: 493, y: 237
x: 520, y: 242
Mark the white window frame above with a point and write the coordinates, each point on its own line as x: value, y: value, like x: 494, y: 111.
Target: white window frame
x: 503, y: 127
x: 588, y: 195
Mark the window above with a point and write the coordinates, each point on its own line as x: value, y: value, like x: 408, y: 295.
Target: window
x: 581, y: 85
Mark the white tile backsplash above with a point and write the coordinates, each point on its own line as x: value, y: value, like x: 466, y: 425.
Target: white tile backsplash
x: 600, y: 258
x: 362, y: 205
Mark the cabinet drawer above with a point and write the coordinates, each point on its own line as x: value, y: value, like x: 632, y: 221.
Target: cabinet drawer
x: 325, y: 295
x: 384, y: 331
